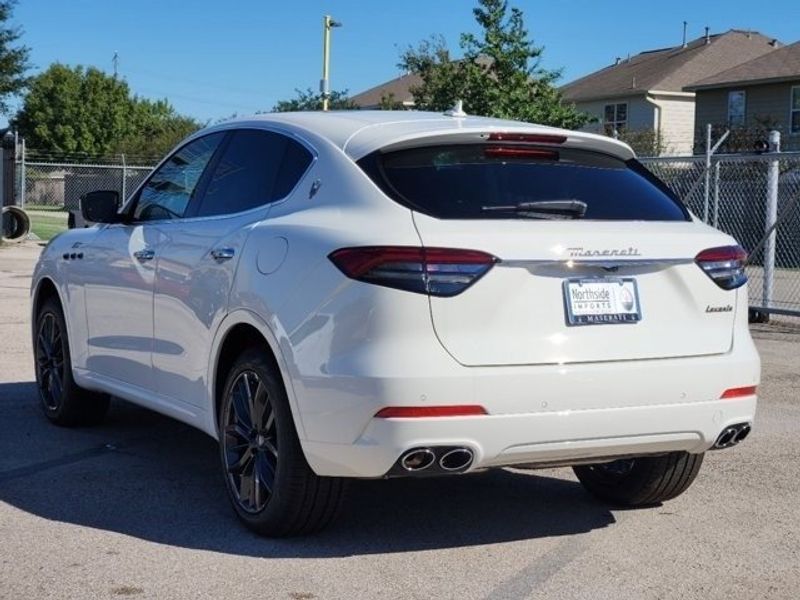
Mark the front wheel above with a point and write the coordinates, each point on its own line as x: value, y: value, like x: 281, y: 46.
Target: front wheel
x: 641, y: 481
x: 62, y: 401
x: 272, y: 488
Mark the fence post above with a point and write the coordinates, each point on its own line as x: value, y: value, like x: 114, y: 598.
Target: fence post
x: 124, y: 178
x: 773, y: 174
x: 22, y: 185
x: 716, y: 193
x: 707, y: 174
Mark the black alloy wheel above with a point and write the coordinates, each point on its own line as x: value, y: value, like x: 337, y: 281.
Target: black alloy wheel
x: 63, y: 401
x: 250, y: 442
x: 270, y: 484
x: 50, y: 364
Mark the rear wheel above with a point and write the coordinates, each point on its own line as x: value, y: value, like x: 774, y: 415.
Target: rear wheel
x: 641, y: 481
x: 62, y: 401
x: 269, y: 482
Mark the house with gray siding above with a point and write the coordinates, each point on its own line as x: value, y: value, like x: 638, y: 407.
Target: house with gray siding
x: 648, y: 92
x: 761, y: 94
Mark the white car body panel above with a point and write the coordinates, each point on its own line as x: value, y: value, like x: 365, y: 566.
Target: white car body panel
x: 346, y: 349
x: 528, y: 326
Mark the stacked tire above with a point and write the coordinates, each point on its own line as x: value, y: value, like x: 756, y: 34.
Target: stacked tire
x: 16, y: 224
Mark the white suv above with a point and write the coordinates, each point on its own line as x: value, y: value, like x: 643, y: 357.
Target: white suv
x: 384, y: 294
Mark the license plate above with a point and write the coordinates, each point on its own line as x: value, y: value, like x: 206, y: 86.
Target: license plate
x: 597, y: 301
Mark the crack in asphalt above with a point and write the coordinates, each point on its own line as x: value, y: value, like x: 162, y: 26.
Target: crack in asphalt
x: 522, y: 583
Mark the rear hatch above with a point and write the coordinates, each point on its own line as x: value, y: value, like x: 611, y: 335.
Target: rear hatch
x: 596, y: 258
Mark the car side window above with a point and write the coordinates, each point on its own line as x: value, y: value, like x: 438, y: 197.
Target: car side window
x: 256, y: 168
x: 168, y: 191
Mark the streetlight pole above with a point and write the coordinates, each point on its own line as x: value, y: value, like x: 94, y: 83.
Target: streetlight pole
x: 324, y: 85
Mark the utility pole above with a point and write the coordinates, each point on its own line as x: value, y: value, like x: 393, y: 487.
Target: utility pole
x: 115, y: 62
x: 324, y: 85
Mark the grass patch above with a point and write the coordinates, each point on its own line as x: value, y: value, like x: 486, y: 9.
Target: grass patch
x: 46, y: 224
x: 45, y: 208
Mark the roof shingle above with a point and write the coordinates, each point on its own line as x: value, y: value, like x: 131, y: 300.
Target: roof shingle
x: 670, y: 69
x: 779, y: 65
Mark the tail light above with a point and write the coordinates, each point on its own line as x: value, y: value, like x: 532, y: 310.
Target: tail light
x: 433, y: 271
x: 529, y: 138
x: 520, y: 152
x: 725, y: 265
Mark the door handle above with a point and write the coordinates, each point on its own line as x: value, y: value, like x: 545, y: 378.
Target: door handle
x: 143, y: 255
x: 222, y: 254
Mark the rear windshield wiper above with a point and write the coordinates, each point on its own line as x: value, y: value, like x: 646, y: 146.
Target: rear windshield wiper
x: 544, y: 209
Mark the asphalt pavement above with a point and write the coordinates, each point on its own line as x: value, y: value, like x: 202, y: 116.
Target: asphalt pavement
x: 136, y: 508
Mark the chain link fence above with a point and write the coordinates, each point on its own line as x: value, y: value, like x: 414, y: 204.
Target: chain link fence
x: 59, y: 185
x: 756, y: 199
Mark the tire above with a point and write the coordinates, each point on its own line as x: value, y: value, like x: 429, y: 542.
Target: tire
x: 62, y: 400
x: 641, y: 481
x: 273, y: 490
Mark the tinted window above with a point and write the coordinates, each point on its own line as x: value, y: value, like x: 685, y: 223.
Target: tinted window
x: 295, y: 162
x: 168, y: 191
x: 257, y: 167
x: 466, y: 181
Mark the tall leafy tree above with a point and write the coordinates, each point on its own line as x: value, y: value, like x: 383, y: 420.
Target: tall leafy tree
x: 310, y: 100
x: 13, y: 57
x: 84, y: 110
x: 500, y: 75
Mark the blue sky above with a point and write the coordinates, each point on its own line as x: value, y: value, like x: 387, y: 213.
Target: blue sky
x: 212, y: 59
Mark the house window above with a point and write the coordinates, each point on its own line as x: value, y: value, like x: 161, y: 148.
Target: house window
x: 736, y: 108
x: 615, y: 118
x: 794, y: 114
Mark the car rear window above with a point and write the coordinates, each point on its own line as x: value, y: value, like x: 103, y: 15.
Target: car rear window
x: 466, y: 181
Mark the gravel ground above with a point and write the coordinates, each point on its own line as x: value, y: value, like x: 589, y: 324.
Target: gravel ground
x: 136, y: 508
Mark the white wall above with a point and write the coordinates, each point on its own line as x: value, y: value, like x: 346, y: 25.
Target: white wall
x: 677, y: 123
x: 641, y: 114
x: 676, y: 118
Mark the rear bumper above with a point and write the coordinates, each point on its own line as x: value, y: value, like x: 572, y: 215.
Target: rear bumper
x: 558, y: 437
x: 545, y: 414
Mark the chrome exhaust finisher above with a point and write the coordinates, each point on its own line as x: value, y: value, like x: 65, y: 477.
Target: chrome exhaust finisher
x: 418, y: 459
x: 456, y: 460
x: 432, y: 461
x: 743, y: 433
x: 732, y: 435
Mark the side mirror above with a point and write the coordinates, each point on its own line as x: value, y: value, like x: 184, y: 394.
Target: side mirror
x: 100, y: 206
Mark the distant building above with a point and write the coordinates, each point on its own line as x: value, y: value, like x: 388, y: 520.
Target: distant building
x: 397, y: 90
x: 648, y: 92
x: 761, y: 93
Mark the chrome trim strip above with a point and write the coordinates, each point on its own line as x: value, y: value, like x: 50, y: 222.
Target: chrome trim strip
x: 604, y: 264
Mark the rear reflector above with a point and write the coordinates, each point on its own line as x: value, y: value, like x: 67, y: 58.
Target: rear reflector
x: 417, y: 412
x: 520, y: 152
x: 739, y: 392
x: 433, y: 271
x: 724, y: 265
x: 530, y: 138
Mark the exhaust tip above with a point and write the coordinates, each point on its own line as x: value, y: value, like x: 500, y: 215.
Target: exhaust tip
x: 456, y: 460
x: 418, y: 459
x: 743, y: 433
x: 732, y: 435
x: 725, y: 438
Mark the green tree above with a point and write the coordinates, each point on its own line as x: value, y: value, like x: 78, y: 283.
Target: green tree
x: 13, y: 58
x: 77, y: 110
x: 500, y: 74
x: 310, y: 100
x: 157, y: 129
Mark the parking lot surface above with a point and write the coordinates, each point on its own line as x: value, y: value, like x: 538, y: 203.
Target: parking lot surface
x: 136, y: 508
